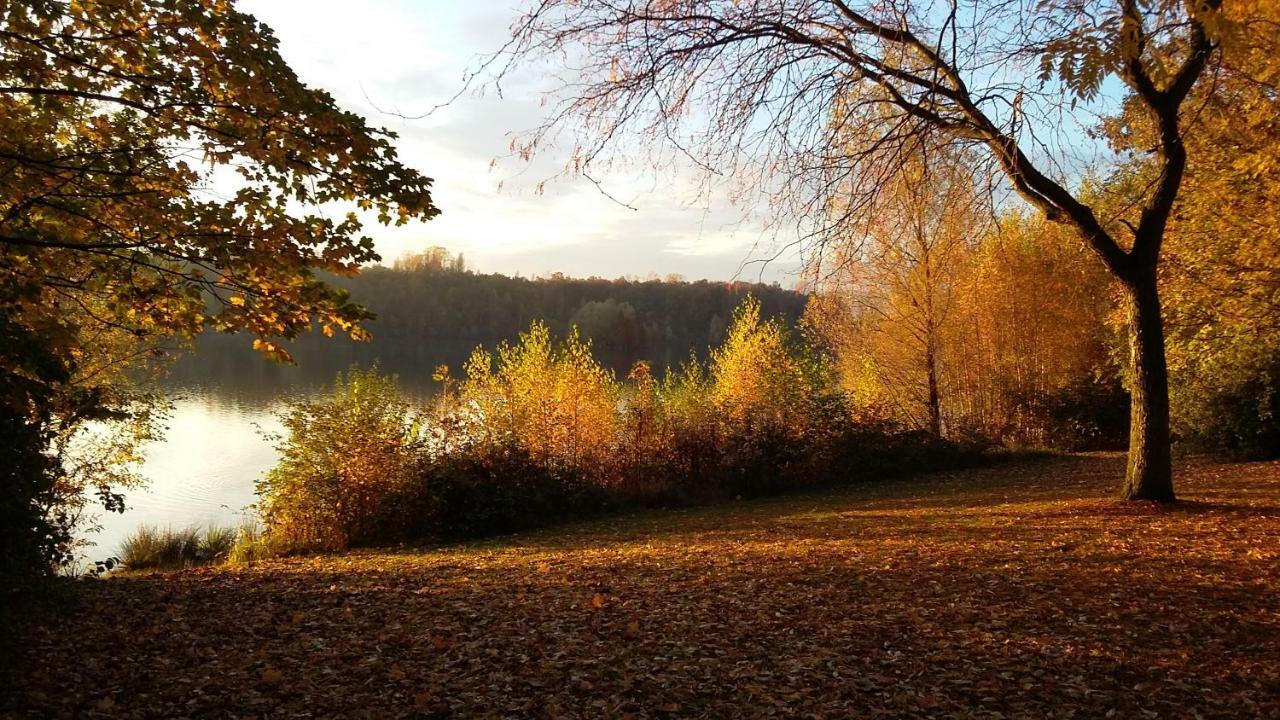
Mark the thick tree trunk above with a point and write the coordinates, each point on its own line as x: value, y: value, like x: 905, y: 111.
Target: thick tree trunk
x: 1149, y: 475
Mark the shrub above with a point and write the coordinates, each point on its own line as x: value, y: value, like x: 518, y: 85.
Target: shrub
x: 761, y: 377
x: 552, y: 399
x: 1231, y: 405
x: 1088, y: 415
x: 342, y: 457
x: 539, y: 433
x: 494, y: 490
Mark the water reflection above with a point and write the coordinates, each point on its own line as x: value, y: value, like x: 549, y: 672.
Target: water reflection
x: 215, y: 450
x: 202, y: 472
x: 224, y: 398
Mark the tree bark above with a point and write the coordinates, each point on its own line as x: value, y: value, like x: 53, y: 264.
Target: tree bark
x: 1149, y: 475
x: 935, y: 401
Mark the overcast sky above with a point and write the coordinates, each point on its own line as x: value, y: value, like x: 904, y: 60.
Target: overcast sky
x: 386, y: 58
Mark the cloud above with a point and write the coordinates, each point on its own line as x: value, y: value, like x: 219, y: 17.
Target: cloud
x: 393, y: 60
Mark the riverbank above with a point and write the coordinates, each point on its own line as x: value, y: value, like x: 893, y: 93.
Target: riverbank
x: 1014, y: 590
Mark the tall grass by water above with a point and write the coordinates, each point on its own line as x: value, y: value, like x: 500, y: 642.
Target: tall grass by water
x: 152, y: 547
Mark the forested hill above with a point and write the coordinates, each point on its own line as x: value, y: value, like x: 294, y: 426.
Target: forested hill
x: 416, y: 306
x: 430, y: 313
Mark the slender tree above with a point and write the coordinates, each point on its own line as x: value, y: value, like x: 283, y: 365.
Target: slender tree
x: 807, y: 98
x: 890, y: 287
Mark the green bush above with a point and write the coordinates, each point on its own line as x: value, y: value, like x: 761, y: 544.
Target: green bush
x: 1236, y: 414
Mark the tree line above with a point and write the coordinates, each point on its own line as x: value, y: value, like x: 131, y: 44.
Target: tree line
x: 428, y: 308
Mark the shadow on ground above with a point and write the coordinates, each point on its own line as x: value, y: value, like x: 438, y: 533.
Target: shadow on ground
x: 1013, y: 591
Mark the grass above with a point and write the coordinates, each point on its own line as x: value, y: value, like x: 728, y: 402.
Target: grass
x: 155, y: 548
x: 1012, y: 591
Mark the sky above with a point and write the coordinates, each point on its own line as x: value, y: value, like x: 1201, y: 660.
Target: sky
x: 392, y: 61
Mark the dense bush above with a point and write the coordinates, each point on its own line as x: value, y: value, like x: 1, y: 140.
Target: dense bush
x: 539, y: 432
x: 1088, y: 414
x: 553, y: 400
x: 492, y: 490
x: 343, y: 459
x: 1231, y: 406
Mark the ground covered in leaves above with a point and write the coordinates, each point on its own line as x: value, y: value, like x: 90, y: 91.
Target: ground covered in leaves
x: 1012, y: 591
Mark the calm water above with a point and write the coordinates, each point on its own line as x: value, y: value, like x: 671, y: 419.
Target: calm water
x: 203, y: 471
x: 225, y: 398
x: 214, y: 450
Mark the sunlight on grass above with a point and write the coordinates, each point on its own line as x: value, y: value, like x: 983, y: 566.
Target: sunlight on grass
x: 150, y: 547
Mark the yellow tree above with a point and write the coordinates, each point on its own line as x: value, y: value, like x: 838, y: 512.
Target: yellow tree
x: 758, y: 377
x: 1030, y: 328
x: 749, y: 87
x: 551, y: 398
x: 892, y: 283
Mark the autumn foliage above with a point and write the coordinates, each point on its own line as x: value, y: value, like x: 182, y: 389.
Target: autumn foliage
x: 1012, y: 591
x: 116, y: 121
x: 539, y: 431
x: 1005, y: 332
x: 343, y: 460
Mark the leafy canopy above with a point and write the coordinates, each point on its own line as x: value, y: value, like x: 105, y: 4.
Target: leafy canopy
x: 162, y: 170
x: 158, y: 152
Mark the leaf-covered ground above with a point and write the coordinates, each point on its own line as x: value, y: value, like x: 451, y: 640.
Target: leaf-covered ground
x: 1013, y: 591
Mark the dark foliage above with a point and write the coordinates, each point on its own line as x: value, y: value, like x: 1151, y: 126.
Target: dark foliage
x: 1243, y: 418
x: 499, y: 491
x: 430, y: 315
x: 32, y: 541
x: 1088, y: 415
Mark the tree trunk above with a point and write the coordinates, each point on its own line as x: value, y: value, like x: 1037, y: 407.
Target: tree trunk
x: 935, y: 402
x: 1149, y: 475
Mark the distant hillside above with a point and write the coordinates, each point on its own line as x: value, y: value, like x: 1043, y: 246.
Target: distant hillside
x: 437, y: 312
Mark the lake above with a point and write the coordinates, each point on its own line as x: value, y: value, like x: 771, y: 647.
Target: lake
x: 202, y: 472
x: 204, y: 469
x: 224, y: 399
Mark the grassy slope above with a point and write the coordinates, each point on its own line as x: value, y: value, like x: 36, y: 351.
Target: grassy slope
x: 1014, y: 591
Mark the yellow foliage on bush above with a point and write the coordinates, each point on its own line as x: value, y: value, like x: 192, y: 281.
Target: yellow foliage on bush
x: 758, y: 375
x: 552, y: 399
x: 540, y: 430
x: 342, y: 458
